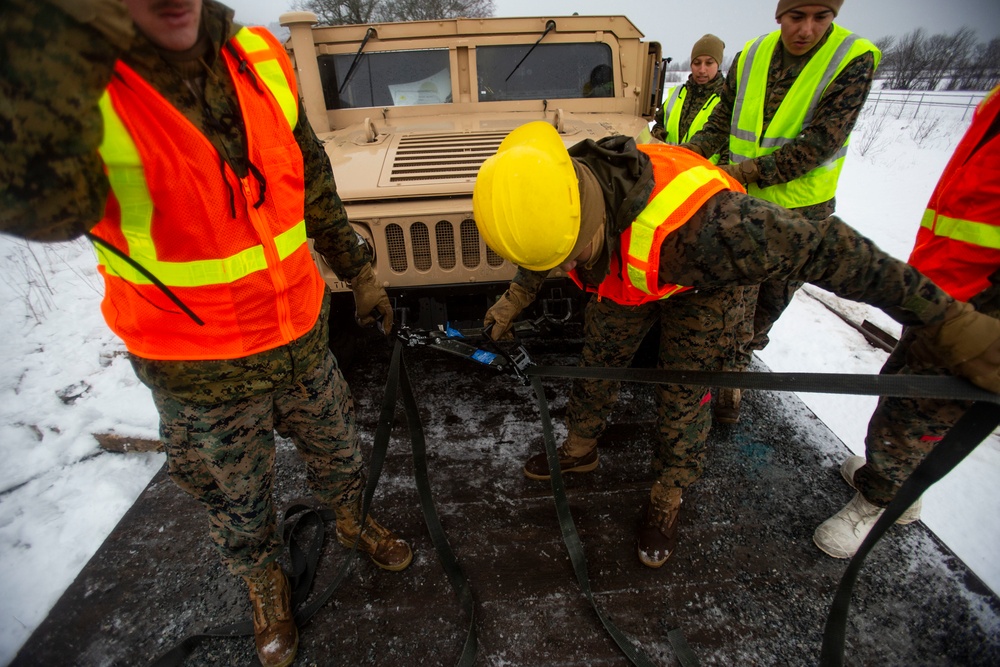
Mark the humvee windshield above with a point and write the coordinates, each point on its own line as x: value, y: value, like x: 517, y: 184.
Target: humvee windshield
x: 550, y: 71
x: 386, y: 79
x: 402, y: 78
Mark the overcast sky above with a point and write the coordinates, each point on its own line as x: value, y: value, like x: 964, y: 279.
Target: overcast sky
x: 677, y: 25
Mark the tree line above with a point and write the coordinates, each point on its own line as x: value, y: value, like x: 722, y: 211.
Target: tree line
x: 919, y: 61
x: 352, y: 12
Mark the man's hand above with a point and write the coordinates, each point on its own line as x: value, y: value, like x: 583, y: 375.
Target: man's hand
x: 744, y: 173
x: 967, y: 343
x: 369, y: 296
x: 501, y: 315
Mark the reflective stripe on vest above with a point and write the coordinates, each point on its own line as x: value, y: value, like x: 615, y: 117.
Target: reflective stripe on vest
x: 795, y: 113
x: 271, y: 73
x: 672, y: 121
x: 980, y: 234
x: 664, y: 213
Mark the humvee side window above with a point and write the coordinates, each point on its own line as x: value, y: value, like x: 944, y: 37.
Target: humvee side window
x: 386, y: 78
x: 549, y: 71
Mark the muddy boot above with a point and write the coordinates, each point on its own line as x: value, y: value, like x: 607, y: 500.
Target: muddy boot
x: 274, y: 630
x: 657, y: 537
x: 726, y: 408
x: 576, y: 454
x: 386, y: 550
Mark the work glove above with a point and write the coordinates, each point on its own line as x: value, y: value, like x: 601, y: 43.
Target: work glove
x: 501, y: 314
x: 967, y: 343
x: 744, y: 173
x: 370, y: 296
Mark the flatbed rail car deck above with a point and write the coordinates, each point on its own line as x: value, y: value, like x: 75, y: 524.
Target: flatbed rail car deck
x: 747, y: 586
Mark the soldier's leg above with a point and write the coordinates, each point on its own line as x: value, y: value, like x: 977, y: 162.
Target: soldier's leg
x: 223, y: 455
x: 773, y: 298
x: 317, y: 412
x: 901, y: 433
x: 612, y: 334
x: 693, y: 329
x: 738, y: 338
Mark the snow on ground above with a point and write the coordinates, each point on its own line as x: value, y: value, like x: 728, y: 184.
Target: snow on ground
x: 63, y: 378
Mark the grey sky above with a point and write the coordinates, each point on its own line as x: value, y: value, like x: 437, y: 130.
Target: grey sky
x: 677, y: 25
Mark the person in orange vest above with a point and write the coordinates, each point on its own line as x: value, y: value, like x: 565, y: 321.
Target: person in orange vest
x: 657, y: 234
x: 176, y: 140
x: 958, y: 247
x: 786, y: 111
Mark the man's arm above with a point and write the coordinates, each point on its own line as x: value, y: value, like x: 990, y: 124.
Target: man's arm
x: 836, y: 115
x: 52, y: 181
x: 326, y: 219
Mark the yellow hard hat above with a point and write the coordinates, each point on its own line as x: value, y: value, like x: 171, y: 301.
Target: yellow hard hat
x: 526, y: 201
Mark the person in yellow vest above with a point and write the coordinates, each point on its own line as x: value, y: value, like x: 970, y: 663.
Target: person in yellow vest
x: 788, y: 106
x: 687, y: 107
x: 176, y: 140
x: 656, y: 233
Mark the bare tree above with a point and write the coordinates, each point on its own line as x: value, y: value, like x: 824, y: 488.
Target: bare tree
x: 946, y: 54
x: 981, y: 71
x: 343, y: 12
x: 905, y: 63
x: 917, y: 61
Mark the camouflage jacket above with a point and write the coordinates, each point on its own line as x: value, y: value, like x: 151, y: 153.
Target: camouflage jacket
x: 735, y: 239
x: 835, y: 117
x: 52, y: 181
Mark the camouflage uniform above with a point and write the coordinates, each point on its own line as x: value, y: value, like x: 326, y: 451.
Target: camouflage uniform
x: 217, y: 417
x: 835, y: 116
x: 733, y: 240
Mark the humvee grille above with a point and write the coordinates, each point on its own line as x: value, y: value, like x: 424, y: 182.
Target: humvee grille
x: 436, y: 157
x: 416, y: 237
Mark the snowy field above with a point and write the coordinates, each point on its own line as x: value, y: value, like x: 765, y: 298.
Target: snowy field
x: 63, y: 378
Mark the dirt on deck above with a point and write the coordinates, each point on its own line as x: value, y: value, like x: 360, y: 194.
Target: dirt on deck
x: 746, y: 585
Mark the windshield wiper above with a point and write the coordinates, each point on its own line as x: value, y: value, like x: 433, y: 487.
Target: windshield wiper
x: 549, y: 27
x: 357, y: 58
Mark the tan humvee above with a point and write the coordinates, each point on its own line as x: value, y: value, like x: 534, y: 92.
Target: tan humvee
x: 409, y: 111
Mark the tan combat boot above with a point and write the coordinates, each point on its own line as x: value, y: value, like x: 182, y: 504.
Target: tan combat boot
x: 274, y: 630
x: 385, y: 549
x: 657, y: 537
x: 726, y: 407
x: 576, y: 454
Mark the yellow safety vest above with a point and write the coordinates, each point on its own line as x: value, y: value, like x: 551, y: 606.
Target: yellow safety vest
x: 796, y: 112
x: 672, y: 121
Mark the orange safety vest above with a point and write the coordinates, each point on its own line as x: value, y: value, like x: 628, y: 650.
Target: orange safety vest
x: 958, y: 243
x: 683, y: 182
x: 232, y: 249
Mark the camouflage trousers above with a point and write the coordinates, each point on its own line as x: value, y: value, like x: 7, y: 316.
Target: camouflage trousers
x: 695, y: 334
x: 903, y: 431
x: 224, y: 454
